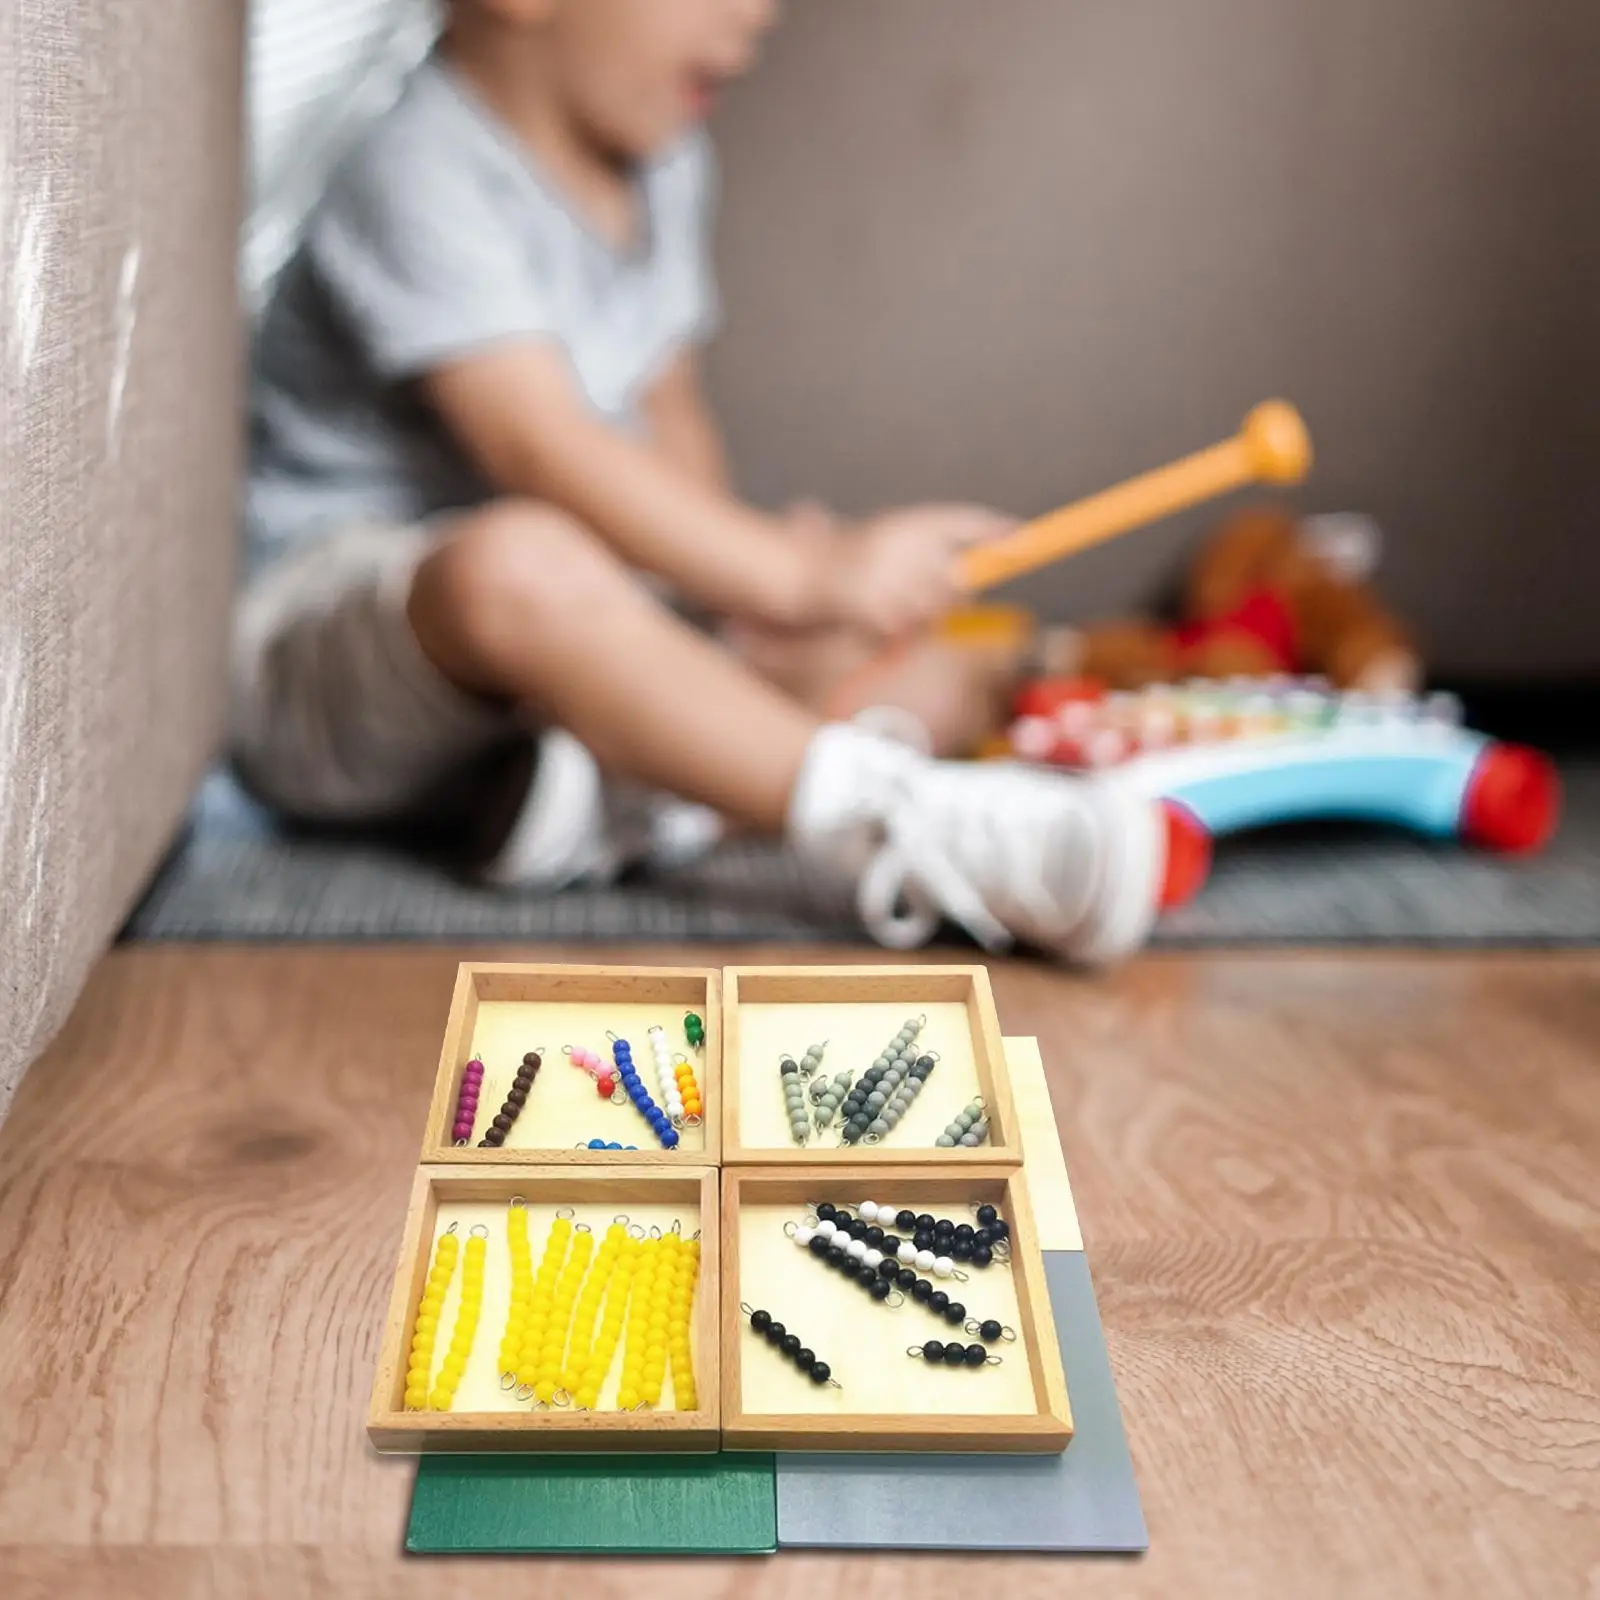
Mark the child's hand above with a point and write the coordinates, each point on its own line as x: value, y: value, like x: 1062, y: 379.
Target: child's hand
x: 899, y: 571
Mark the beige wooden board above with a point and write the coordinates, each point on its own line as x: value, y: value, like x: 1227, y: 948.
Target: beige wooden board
x: 480, y: 1389
x: 564, y: 1109
x: 1044, y: 1170
x: 856, y: 1033
x: 863, y: 1341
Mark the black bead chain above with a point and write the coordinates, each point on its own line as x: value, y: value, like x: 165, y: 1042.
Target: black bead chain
x: 952, y: 1355
x: 789, y: 1347
x: 979, y: 1246
x: 861, y: 1267
x: 991, y: 1332
x: 925, y: 1258
x: 884, y: 1092
x: 516, y: 1099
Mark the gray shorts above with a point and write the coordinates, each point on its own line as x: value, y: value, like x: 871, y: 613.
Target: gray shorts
x: 337, y: 715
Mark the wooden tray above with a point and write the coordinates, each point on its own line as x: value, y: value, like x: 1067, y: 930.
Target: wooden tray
x: 500, y: 1011
x: 887, y: 1399
x: 485, y: 1417
x: 770, y: 1011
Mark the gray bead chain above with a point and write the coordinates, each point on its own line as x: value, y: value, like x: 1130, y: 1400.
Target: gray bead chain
x: 826, y: 1097
x: 794, y: 1096
x: 900, y: 1100
x: 811, y: 1060
x: 970, y: 1129
x: 866, y: 1109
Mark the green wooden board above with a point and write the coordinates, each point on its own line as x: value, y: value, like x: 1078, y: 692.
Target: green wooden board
x: 607, y: 1505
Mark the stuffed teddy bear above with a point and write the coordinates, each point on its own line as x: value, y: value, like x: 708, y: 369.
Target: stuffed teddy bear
x: 1269, y: 593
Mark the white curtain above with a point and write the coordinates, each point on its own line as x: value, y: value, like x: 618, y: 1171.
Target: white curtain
x: 319, y: 72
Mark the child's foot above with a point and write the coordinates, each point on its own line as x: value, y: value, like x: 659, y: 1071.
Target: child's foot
x: 1078, y: 867
x: 576, y: 826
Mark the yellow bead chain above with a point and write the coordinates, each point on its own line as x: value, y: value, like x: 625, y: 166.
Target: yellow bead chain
x: 547, y: 1377
x: 581, y: 1339
x: 521, y: 1292
x: 655, y: 1348
x: 685, y: 1397
x: 540, y: 1302
x: 454, y: 1366
x: 419, y: 1376
x: 640, y: 1301
x: 604, y: 1349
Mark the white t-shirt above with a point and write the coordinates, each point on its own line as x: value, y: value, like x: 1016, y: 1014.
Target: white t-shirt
x: 439, y: 236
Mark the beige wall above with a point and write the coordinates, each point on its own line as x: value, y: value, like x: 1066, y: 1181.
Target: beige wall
x: 1015, y: 249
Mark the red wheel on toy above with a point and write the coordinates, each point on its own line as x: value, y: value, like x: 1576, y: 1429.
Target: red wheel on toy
x: 1513, y: 800
x: 1188, y: 856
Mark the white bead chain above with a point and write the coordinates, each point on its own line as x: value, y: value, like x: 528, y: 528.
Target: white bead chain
x: 666, y: 1078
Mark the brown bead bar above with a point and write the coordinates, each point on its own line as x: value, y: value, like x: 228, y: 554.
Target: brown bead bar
x: 516, y: 1098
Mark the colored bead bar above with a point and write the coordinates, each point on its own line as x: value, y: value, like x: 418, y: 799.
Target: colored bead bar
x: 828, y: 1097
x: 467, y: 1101
x: 953, y: 1355
x: 516, y: 1099
x: 854, y: 1259
x: 552, y: 1352
x: 969, y: 1129
x: 454, y: 1365
x: 694, y: 1106
x: 991, y: 1332
x: 794, y: 1099
x: 603, y: 1073
x: 580, y: 1341
x: 685, y: 1394
x: 789, y: 1347
x: 541, y: 1303
x: 606, y: 1144
x: 667, y: 1085
x: 659, y: 1310
x: 521, y: 1255
x: 597, y: 1368
x: 694, y: 1030
x: 419, y: 1376
x: 636, y: 1338
x: 925, y: 1250
x: 633, y: 1085
x: 867, y: 1109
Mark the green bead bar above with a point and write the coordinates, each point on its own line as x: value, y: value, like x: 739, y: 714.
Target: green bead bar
x: 694, y: 1030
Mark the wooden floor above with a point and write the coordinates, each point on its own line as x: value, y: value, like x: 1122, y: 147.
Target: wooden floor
x: 1343, y: 1214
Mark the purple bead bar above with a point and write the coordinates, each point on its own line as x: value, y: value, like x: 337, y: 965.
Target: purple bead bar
x: 467, y: 1103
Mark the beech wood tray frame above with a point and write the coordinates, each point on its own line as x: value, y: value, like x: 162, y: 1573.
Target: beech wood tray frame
x: 392, y: 1428
x: 1048, y: 1429
x: 674, y: 989
x: 910, y: 986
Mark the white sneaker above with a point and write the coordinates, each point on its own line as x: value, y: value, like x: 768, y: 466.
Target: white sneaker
x: 1075, y: 866
x: 577, y: 826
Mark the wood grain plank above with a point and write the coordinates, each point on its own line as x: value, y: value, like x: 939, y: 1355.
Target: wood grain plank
x: 1343, y: 1211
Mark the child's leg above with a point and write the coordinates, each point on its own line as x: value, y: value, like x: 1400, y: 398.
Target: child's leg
x: 520, y: 601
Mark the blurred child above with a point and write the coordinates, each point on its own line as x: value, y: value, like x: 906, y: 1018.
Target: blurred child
x: 482, y: 464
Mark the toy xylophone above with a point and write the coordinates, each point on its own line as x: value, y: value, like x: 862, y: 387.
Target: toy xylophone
x: 1249, y: 754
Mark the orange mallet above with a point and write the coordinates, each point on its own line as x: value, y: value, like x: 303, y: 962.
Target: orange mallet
x: 1272, y: 447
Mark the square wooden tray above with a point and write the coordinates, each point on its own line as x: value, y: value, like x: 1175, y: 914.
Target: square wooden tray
x: 502, y: 1010
x: 887, y: 1400
x: 770, y: 1011
x: 488, y: 1419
